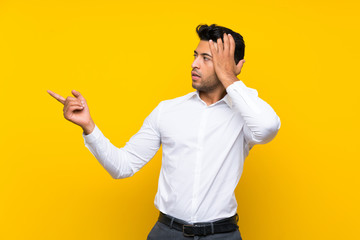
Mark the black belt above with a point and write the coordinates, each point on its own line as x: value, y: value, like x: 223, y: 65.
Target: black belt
x: 201, y: 228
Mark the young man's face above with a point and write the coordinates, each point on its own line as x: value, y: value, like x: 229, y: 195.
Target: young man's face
x: 203, y: 66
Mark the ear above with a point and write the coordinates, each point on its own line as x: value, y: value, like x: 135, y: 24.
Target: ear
x: 239, y: 66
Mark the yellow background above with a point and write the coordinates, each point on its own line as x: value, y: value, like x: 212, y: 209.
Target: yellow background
x: 125, y: 57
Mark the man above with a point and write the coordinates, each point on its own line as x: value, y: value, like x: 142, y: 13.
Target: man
x: 206, y: 136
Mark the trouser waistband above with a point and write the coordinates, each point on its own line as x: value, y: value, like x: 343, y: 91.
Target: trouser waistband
x: 201, y: 228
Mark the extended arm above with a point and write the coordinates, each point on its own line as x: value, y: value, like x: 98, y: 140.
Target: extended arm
x: 126, y: 161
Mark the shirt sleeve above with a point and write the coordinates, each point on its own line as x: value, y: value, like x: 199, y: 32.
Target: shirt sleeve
x: 261, y: 121
x: 126, y: 161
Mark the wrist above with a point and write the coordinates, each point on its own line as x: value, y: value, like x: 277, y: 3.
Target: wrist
x: 227, y: 80
x: 88, y: 128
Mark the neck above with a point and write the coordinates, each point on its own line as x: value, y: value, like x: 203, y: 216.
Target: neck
x: 212, y: 96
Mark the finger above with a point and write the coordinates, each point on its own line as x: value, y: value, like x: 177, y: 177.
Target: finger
x: 76, y: 104
x: 216, y: 47
x: 77, y: 95
x: 226, y: 43
x: 70, y: 112
x: 75, y: 107
x: 69, y: 106
x: 77, y: 100
x: 232, y: 45
x: 57, y: 96
x: 70, y: 99
x: 220, y: 45
x: 212, y: 47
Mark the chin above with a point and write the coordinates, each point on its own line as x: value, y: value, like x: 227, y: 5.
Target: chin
x: 195, y: 86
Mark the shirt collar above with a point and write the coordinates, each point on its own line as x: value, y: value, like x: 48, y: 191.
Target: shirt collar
x: 225, y: 99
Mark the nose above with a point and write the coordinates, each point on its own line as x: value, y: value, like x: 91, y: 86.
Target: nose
x: 195, y: 63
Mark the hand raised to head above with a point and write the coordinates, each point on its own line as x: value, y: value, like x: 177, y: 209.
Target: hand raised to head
x: 223, y: 57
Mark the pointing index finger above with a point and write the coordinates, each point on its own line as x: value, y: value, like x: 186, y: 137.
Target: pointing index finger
x: 57, y: 96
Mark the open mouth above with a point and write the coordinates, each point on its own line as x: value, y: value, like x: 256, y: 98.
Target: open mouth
x: 195, y: 76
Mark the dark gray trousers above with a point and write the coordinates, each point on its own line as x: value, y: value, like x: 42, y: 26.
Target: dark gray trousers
x: 161, y: 231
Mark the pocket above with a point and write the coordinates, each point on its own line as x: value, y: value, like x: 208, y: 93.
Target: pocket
x: 160, y: 232
x: 240, y: 238
x: 152, y: 233
x: 235, y: 235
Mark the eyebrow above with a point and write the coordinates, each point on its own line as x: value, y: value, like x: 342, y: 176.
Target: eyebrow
x: 203, y: 54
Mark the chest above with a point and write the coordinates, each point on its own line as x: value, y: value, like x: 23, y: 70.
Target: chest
x: 189, y: 126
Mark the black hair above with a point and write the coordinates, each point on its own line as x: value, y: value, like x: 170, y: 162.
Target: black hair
x: 214, y: 32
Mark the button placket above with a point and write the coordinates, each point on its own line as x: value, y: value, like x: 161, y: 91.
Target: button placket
x: 197, y: 170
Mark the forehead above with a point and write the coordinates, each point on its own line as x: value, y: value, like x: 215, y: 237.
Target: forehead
x: 203, y: 47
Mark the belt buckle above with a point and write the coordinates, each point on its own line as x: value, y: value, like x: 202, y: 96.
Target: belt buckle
x: 185, y: 234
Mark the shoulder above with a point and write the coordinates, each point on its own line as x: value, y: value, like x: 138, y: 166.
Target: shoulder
x: 176, y: 101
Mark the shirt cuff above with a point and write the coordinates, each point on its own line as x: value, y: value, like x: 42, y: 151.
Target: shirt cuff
x: 93, y: 136
x: 241, y: 94
x: 240, y: 87
x: 236, y: 84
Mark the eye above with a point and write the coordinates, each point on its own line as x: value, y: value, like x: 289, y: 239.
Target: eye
x: 194, y: 55
x: 205, y: 58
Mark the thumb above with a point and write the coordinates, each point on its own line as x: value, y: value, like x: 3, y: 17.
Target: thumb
x: 239, y: 66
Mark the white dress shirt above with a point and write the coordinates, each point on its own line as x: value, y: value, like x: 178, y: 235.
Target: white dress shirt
x: 204, y: 148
